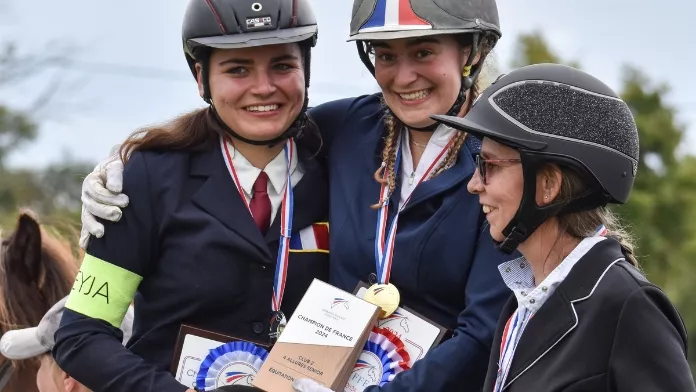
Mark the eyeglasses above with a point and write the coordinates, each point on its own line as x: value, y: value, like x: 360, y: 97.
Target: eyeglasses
x: 482, y: 165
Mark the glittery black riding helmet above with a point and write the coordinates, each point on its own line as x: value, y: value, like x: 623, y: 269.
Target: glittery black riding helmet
x: 557, y: 114
x: 377, y: 20
x: 231, y: 24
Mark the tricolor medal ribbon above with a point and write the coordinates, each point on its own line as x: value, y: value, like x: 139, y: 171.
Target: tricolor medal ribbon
x: 384, y: 294
x: 286, y: 214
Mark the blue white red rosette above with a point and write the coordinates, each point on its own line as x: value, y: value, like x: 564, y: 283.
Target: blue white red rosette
x: 383, y: 357
x: 230, y: 364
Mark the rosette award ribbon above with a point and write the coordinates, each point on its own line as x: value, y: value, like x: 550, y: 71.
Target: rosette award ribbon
x: 382, y: 358
x: 385, y: 294
x: 234, y: 363
x: 278, y: 321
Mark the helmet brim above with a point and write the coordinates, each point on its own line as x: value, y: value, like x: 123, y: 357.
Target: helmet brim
x: 259, y: 38
x: 377, y: 35
x: 465, y: 125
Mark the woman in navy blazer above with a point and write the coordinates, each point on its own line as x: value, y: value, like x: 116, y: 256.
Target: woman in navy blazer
x: 559, y: 145
x: 226, y: 225
x: 379, y: 147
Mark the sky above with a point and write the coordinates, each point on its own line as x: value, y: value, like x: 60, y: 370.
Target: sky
x: 126, y: 68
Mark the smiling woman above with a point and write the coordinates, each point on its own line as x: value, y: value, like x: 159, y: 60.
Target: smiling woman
x: 202, y: 238
x: 558, y: 146
x: 257, y: 91
x: 418, y: 76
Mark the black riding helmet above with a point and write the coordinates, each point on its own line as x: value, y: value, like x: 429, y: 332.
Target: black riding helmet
x: 395, y: 19
x: 230, y: 24
x: 557, y: 114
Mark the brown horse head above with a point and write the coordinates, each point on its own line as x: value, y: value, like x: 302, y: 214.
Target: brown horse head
x: 36, y: 271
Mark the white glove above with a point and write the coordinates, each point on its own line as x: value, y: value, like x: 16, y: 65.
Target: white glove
x: 308, y: 385
x: 102, y: 197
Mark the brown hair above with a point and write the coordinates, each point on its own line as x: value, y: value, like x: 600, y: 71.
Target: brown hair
x: 193, y: 130
x: 199, y: 130
x: 584, y: 223
x: 385, y: 174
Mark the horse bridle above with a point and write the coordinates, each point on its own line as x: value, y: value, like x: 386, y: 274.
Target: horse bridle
x: 5, y: 374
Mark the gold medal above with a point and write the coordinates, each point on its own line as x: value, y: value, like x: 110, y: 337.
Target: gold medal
x: 386, y: 296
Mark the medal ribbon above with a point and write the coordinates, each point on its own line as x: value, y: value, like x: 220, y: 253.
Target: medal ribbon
x: 384, y: 247
x: 286, y: 212
x: 511, y: 336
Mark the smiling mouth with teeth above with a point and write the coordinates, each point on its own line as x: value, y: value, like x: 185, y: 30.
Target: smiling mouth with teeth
x: 262, y: 108
x: 414, y: 96
x: 488, y: 209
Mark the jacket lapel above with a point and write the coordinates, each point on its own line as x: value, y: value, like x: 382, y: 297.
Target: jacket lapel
x: 546, y: 328
x: 218, y: 196
x: 558, y: 317
x: 310, y: 196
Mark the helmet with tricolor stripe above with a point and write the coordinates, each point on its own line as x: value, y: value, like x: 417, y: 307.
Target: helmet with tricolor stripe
x: 375, y: 20
x: 392, y: 19
x: 232, y: 24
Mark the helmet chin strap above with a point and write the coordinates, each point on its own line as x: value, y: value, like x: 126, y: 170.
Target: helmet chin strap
x: 530, y: 216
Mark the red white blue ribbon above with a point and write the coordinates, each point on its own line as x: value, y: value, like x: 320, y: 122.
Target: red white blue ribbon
x: 601, y: 231
x: 384, y: 240
x: 286, y: 213
x: 234, y: 363
x: 511, y: 336
x: 383, y: 357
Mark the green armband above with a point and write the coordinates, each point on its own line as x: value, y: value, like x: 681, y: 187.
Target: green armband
x: 103, y: 290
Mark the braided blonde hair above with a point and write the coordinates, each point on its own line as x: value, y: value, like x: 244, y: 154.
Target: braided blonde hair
x: 386, y: 175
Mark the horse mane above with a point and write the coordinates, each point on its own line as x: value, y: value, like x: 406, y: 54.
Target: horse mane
x: 37, y: 269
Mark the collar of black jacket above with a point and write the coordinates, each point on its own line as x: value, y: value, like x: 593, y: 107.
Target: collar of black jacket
x: 583, y: 278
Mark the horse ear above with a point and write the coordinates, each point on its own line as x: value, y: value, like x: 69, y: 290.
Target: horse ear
x: 23, y: 255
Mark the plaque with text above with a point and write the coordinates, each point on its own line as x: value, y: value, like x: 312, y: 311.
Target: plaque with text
x: 322, y: 340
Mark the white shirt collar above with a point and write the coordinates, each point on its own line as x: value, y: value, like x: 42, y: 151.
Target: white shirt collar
x: 276, y: 170
x: 441, y: 136
x: 517, y: 275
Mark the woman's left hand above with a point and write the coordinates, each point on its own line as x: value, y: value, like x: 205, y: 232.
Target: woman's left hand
x: 309, y: 385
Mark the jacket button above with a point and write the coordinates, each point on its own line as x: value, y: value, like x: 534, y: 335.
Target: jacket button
x: 372, y: 279
x: 258, y: 327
